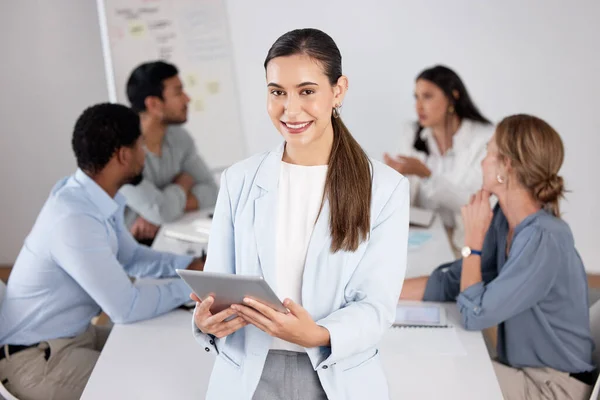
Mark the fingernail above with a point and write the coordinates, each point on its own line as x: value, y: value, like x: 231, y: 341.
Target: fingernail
x: 247, y: 300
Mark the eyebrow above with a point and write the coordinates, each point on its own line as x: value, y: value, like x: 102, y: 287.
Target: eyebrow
x: 275, y: 85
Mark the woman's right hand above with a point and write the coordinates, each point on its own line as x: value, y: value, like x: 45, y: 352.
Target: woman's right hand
x: 215, y: 324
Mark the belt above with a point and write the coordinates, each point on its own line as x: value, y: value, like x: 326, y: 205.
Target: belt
x: 587, y: 377
x: 12, y: 349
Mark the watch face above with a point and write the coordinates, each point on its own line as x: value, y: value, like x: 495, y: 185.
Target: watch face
x: 466, y: 251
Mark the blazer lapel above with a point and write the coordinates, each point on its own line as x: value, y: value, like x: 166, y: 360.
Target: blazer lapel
x: 320, y: 240
x: 265, y: 214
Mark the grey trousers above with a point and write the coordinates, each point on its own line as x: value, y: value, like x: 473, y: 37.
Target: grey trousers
x: 288, y: 375
x: 28, y: 375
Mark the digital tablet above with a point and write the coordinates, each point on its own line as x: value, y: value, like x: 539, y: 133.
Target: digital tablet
x: 424, y: 314
x: 228, y: 289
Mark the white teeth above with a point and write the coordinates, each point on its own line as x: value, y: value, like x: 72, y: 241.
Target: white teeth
x: 296, y: 126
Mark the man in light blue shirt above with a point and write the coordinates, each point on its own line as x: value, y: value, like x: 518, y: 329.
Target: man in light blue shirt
x: 77, y: 261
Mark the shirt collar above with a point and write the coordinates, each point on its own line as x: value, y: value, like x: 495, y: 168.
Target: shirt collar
x: 461, y: 137
x: 106, y: 204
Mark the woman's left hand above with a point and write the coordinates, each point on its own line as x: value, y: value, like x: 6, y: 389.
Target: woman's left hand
x: 477, y: 217
x: 296, y: 327
x: 407, y: 165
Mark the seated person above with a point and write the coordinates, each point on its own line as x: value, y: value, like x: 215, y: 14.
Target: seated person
x: 441, y: 153
x: 77, y: 261
x: 520, y: 269
x: 176, y: 179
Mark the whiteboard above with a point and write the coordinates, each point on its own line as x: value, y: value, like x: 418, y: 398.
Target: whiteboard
x: 194, y: 36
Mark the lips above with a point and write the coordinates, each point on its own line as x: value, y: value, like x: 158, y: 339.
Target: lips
x: 296, y: 127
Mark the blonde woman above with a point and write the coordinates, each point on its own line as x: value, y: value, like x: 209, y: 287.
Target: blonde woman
x: 520, y: 269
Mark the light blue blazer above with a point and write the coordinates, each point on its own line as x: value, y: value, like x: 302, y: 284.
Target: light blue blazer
x: 352, y: 294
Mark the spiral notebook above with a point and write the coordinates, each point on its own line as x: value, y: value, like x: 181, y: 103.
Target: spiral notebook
x: 423, y: 330
x: 420, y: 315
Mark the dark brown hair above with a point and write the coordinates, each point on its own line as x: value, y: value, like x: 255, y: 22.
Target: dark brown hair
x: 536, y: 153
x: 348, y: 183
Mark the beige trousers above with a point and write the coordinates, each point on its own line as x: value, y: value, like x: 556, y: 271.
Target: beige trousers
x: 29, y: 376
x: 539, y: 383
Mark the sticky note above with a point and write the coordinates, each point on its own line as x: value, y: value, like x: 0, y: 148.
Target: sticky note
x: 137, y: 29
x: 198, y: 105
x: 212, y: 87
x: 191, y: 81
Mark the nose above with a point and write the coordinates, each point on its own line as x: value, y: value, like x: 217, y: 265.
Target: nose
x: 292, y: 106
x: 418, y: 105
x: 187, y: 98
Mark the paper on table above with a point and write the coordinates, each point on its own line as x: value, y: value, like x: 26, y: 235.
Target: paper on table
x: 417, y: 238
x: 423, y: 342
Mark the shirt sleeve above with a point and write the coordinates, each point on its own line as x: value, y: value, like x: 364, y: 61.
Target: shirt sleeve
x: 444, y: 283
x: 153, y: 204
x: 374, y: 288
x: 86, y: 250
x: 524, y: 280
x: 143, y: 262
x: 453, y: 188
x: 205, y: 190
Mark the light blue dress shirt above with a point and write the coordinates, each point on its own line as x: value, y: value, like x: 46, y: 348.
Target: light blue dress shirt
x: 77, y: 261
x: 537, y: 295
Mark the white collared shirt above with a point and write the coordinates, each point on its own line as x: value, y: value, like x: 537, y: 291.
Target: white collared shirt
x: 455, y: 176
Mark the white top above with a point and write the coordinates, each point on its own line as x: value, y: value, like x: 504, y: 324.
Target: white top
x: 455, y: 176
x: 300, y: 194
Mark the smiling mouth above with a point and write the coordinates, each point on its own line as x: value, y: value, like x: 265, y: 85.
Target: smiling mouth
x: 296, y: 127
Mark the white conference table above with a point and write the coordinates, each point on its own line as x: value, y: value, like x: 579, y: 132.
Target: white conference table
x: 159, y: 358
x: 422, y: 260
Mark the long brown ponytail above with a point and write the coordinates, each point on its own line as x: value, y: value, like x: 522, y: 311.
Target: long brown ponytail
x: 349, y: 181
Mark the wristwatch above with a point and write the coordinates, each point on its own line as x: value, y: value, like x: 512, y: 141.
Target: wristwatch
x: 467, y: 251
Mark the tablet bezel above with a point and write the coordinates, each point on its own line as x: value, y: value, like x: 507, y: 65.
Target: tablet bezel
x: 228, y: 289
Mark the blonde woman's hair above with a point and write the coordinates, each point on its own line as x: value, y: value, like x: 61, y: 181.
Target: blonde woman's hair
x: 536, y: 153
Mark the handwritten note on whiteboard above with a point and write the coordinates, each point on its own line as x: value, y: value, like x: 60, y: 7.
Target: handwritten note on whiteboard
x: 193, y: 35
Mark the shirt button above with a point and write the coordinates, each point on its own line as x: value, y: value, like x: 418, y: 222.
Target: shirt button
x: 207, y: 349
x: 325, y: 367
x: 211, y: 341
x: 476, y: 309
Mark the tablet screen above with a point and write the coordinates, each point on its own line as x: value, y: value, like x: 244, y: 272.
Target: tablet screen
x: 417, y: 315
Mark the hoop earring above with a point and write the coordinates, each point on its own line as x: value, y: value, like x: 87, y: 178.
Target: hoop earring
x: 499, y: 178
x: 337, y: 111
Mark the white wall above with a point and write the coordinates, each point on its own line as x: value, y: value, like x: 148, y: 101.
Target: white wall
x: 515, y: 56
x: 541, y: 58
x: 51, y: 68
